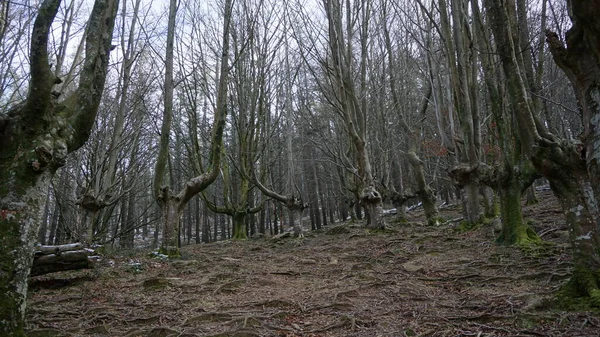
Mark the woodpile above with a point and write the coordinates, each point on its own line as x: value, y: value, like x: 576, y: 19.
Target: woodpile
x: 51, y: 259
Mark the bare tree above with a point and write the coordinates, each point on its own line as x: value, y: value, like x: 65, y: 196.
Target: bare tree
x: 104, y: 187
x: 173, y: 203
x: 348, y: 96
x: 424, y: 191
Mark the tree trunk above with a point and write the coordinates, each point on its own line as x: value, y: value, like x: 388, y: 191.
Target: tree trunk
x: 170, y: 217
x: 205, y: 226
x: 262, y: 219
x: 514, y: 230
x: 128, y: 227
x: 490, y: 202
x: 296, y: 221
x: 562, y: 162
x: 531, y: 196
x: 171, y: 204
x: 573, y: 187
x: 19, y: 224
x: 36, y: 137
x: 424, y: 192
x: 46, y: 214
x: 197, y: 217
x: 372, y: 202
x: 239, y: 226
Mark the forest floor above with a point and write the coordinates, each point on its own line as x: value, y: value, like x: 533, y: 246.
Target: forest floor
x: 409, y: 280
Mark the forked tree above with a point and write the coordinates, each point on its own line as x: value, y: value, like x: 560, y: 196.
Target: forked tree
x: 348, y: 92
x: 36, y: 135
x: 173, y: 203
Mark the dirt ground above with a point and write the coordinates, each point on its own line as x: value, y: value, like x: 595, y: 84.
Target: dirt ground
x: 410, y: 280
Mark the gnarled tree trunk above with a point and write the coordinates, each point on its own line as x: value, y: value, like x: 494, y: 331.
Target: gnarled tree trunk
x: 36, y: 136
x: 564, y: 163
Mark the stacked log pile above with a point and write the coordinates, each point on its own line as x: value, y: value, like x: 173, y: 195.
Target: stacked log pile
x: 73, y: 256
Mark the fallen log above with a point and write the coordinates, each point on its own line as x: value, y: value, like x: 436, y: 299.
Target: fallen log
x: 52, y: 259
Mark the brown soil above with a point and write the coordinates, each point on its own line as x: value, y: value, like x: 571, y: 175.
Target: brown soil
x: 410, y: 280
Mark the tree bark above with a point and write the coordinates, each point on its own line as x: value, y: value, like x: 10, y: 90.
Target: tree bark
x: 36, y: 136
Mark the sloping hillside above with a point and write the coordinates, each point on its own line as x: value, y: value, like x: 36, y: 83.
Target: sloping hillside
x: 410, y: 280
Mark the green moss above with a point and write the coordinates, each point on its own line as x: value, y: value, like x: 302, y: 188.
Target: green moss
x: 524, y: 238
x: 171, y: 252
x: 467, y: 226
x: 581, y: 293
x: 240, y: 235
x: 11, y: 324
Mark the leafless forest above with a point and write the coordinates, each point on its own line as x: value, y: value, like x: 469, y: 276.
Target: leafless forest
x: 300, y: 168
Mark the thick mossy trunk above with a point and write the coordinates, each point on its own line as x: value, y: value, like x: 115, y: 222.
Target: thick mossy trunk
x: 171, y: 214
x: 373, y: 204
x: 429, y: 206
x: 239, y: 226
x: 567, y: 173
x: 20, y: 218
x: 514, y: 230
x: 582, y: 219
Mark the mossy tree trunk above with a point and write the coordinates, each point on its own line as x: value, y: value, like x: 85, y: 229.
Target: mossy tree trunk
x: 564, y: 163
x: 36, y: 136
x: 515, y: 230
x: 571, y: 183
x: 171, y: 211
x: 19, y: 221
x: 425, y: 193
x: 512, y: 173
x: 239, y: 226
